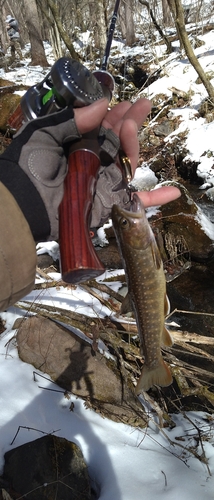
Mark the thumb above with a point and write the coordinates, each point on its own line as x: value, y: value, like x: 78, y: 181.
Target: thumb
x: 90, y: 117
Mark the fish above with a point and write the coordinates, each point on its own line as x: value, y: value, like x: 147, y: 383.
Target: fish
x: 146, y: 282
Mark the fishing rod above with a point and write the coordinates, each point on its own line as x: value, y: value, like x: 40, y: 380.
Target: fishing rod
x: 110, y: 36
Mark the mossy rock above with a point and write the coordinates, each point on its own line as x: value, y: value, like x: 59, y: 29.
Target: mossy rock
x: 6, y: 83
x: 8, y: 101
x: 8, y: 104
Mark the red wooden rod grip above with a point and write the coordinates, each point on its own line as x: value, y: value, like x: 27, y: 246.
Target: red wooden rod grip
x: 79, y: 260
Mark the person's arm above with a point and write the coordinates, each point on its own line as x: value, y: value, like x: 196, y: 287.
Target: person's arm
x: 32, y: 173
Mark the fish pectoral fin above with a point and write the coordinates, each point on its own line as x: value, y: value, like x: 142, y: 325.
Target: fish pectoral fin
x: 160, y: 375
x: 156, y: 254
x: 126, y: 306
x: 167, y: 339
x: 166, y: 306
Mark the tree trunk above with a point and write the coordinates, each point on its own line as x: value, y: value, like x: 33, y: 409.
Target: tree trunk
x: 172, y: 7
x: 55, y: 42
x: 100, y: 31
x: 56, y: 19
x: 121, y: 19
x: 126, y: 21
x: 167, y: 42
x: 129, y: 20
x: 3, y: 34
x: 167, y: 17
x: 38, y: 57
x: 180, y: 26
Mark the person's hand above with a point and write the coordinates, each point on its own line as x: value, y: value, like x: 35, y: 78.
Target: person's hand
x: 125, y: 119
x: 159, y: 196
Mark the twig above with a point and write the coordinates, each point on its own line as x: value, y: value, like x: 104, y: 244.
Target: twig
x: 31, y: 429
x: 202, y: 457
x: 188, y: 312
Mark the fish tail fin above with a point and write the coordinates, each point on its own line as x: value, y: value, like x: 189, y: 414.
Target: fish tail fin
x: 160, y: 375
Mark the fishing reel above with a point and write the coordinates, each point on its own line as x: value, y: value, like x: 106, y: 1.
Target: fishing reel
x: 69, y: 83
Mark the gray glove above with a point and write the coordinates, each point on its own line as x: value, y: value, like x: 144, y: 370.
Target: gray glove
x: 34, y: 167
x: 43, y: 159
x: 111, y: 187
x: 110, y: 190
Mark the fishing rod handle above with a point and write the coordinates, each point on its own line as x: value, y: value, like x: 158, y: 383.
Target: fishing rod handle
x: 79, y: 260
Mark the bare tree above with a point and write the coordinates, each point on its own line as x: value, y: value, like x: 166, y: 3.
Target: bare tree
x: 167, y: 17
x: 3, y: 35
x: 129, y: 19
x: 157, y: 26
x: 97, y: 11
x: 178, y: 15
x: 55, y: 19
x: 38, y: 56
x: 126, y: 21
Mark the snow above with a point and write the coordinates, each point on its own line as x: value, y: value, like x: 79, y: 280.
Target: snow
x: 124, y: 463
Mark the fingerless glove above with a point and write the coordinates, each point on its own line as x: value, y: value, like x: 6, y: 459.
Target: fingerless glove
x: 34, y: 166
x: 33, y: 169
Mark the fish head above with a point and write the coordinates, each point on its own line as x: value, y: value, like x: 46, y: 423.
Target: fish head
x: 131, y: 226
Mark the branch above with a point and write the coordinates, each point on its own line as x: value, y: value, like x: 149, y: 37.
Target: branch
x: 167, y: 42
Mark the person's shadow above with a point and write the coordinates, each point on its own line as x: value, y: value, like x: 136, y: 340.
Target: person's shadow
x: 50, y: 412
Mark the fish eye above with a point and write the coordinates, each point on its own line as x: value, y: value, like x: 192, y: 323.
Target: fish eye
x: 123, y: 222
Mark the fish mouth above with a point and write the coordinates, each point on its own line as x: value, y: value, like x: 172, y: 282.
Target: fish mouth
x: 136, y: 209
x: 136, y: 205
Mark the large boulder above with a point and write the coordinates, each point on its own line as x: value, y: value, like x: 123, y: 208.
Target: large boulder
x: 182, y: 224
x: 74, y: 366
x: 49, y: 467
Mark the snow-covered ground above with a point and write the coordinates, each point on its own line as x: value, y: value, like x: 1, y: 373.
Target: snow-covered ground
x: 124, y: 463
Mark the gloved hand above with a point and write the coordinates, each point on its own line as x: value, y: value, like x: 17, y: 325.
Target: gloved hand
x: 43, y: 158
x: 34, y: 167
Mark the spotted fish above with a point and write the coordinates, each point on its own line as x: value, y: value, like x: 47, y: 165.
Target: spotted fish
x: 147, y: 290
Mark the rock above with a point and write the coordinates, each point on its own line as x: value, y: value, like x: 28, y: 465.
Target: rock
x: 210, y: 193
x: 186, y: 293
x: 183, y: 221
x: 49, y: 467
x: 110, y: 255
x: 45, y: 261
x: 154, y: 140
x: 73, y: 365
x: 163, y: 129
x: 144, y: 179
x: 8, y: 103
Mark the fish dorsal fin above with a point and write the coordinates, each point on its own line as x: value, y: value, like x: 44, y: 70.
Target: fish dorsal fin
x: 166, y: 337
x: 156, y: 254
